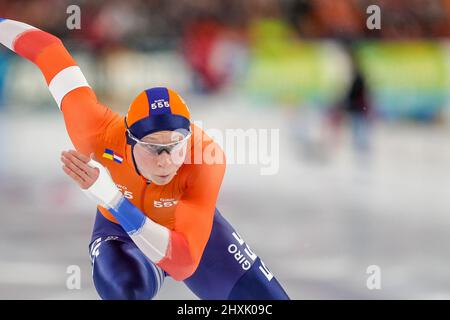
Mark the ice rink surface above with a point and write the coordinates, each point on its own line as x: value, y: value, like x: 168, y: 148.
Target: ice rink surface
x: 317, y: 224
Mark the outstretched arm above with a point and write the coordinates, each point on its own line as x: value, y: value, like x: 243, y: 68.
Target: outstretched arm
x: 86, y: 119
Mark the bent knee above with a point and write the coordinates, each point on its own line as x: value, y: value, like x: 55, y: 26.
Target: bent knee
x: 126, y: 287
x: 122, y: 272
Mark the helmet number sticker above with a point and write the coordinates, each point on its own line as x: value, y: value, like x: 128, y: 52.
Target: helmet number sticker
x: 158, y: 104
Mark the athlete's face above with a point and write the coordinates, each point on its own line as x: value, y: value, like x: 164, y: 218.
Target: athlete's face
x: 160, y: 168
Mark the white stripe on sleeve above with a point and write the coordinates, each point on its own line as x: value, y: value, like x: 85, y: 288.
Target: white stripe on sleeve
x: 152, y: 239
x: 65, y: 81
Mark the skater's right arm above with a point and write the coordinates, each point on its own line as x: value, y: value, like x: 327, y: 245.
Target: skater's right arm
x: 86, y: 119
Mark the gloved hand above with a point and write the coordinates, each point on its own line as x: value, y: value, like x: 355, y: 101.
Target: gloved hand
x: 93, y: 178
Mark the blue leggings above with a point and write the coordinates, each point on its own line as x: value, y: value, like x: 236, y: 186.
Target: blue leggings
x: 228, y: 268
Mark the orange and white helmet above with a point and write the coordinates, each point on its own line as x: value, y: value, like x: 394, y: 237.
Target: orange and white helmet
x: 157, y: 109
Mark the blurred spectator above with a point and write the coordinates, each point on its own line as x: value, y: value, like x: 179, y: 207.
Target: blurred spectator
x: 213, y: 51
x: 127, y: 22
x: 357, y: 106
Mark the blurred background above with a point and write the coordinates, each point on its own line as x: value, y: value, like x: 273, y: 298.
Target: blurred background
x: 364, y: 120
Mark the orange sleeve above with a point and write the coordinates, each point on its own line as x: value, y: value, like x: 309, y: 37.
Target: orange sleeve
x: 193, y: 219
x: 85, y: 118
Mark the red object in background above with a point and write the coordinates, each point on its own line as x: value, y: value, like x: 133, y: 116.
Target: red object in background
x: 199, y: 41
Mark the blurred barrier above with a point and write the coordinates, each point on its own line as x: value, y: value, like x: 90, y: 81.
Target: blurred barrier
x: 284, y: 69
x: 404, y: 79
x: 407, y: 79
